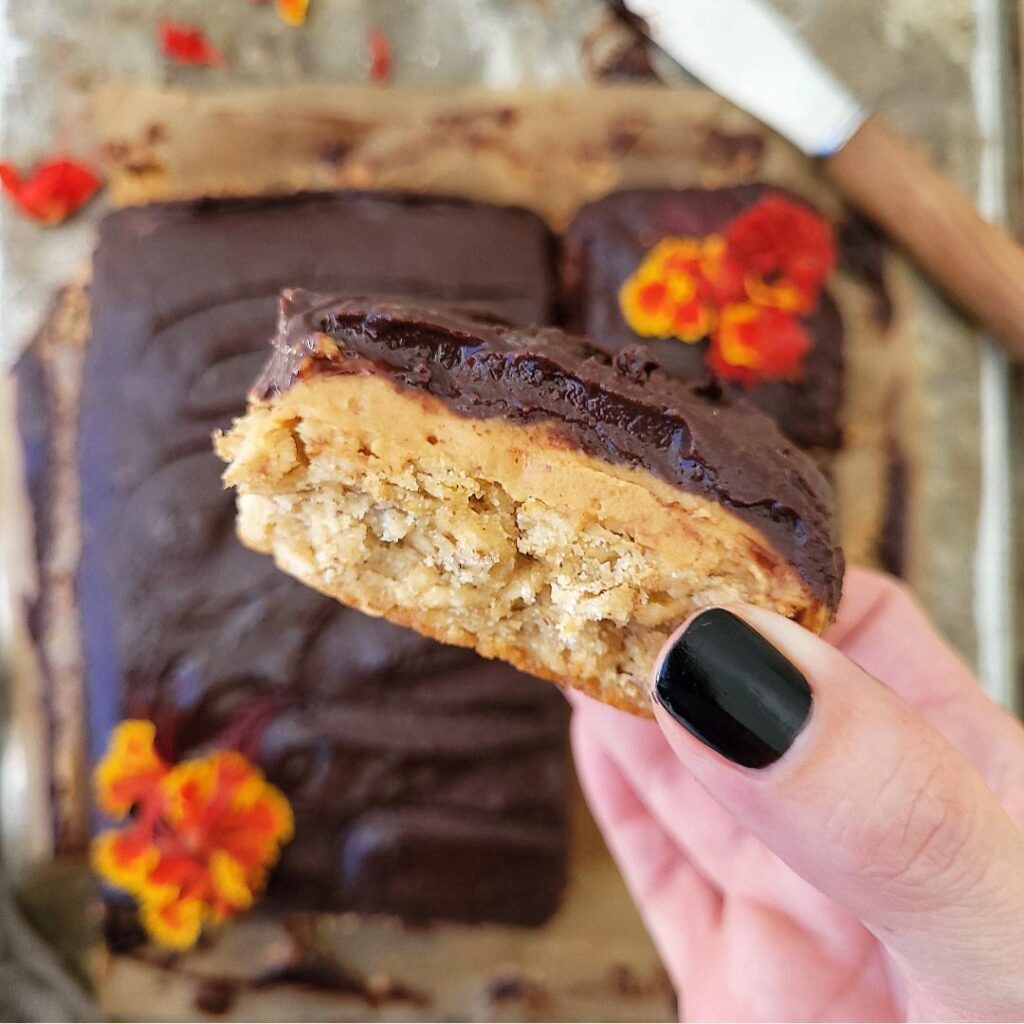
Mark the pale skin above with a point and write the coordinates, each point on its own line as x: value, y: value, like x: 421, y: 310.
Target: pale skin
x: 874, y: 872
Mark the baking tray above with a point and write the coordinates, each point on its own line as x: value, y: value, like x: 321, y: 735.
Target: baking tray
x: 933, y: 386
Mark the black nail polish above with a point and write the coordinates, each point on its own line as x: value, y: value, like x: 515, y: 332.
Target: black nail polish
x: 723, y: 682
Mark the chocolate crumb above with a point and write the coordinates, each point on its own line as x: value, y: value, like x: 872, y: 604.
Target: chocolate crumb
x: 215, y: 996
x: 515, y: 988
x: 416, y: 376
x: 315, y: 972
x: 711, y: 389
x: 635, y: 362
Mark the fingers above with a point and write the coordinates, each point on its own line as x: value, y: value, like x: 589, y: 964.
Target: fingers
x: 709, y: 836
x: 858, y: 794
x: 679, y: 907
x: 697, y: 824
x: 731, y: 956
x: 883, y: 629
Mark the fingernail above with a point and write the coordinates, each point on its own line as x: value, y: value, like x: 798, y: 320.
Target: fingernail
x: 723, y: 682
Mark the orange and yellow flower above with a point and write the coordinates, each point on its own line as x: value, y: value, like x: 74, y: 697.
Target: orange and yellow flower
x: 674, y: 291
x: 200, y: 838
x: 743, y: 289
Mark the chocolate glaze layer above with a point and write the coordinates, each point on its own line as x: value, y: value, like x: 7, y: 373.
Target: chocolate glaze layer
x: 410, y: 766
x: 607, y: 240
x: 625, y: 410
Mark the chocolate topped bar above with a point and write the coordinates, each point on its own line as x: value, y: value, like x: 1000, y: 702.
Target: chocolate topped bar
x: 520, y: 491
x: 608, y: 242
x: 624, y: 408
x: 425, y: 781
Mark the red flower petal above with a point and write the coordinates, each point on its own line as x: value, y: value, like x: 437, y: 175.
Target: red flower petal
x: 187, y: 44
x: 177, y: 869
x: 380, y: 55
x: 755, y: 343
x: 783, y: 242
x: 691, y: 320
x: 650, y: 296
x: 721, y: 273
x: 53, y: 191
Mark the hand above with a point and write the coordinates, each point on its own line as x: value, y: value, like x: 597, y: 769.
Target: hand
x: 864, y: 861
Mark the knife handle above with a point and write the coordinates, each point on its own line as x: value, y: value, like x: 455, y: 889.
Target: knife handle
x: 975, y: 262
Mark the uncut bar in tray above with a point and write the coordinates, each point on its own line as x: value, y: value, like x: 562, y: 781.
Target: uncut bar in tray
x: 425, y: 781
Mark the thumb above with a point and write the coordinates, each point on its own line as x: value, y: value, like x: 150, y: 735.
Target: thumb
x: 858, y: 794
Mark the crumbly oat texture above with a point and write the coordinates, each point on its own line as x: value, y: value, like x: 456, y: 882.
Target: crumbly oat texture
x: 491, y: 533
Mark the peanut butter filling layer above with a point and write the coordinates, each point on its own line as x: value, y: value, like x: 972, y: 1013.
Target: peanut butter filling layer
x: 492, y: 533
